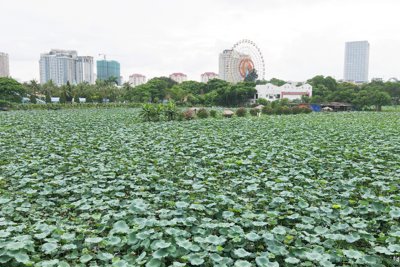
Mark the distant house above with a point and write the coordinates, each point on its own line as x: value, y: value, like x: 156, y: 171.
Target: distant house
x: 337, y: 106
x: 289, y: 91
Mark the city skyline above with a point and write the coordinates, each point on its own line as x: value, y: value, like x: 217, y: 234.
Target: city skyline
x: 299, y: 39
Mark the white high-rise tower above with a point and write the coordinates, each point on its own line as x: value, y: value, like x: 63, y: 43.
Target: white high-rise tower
x: 356, y: 62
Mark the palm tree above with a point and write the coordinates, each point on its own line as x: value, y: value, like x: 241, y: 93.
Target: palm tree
x: 35, y: 88
x: 112, y: 80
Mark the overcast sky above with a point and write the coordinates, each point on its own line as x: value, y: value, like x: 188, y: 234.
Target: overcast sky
x: 298, y: 38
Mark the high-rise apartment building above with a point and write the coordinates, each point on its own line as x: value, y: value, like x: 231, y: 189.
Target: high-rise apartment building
x: 224, y: 59
x: 107, y: 69
x: 232, y: 64
x: 137, y: 79
x: 4, y: 65
x: 356, y: 62
x: 206, y: 76
x: 62, y: 66
x: 178, y: 77
x: 84, y: 70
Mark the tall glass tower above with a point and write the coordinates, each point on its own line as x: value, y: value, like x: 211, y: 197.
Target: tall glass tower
x: 356, y: 62
x: 107, y: 69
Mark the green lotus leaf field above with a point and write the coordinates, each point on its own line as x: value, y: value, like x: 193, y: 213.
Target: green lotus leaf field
x: 100, y: 188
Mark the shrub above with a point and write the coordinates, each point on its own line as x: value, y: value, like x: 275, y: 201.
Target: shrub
x: 32, y: 98
x: 151, y: 112
x: 296, y: 110
x: 48, y: 98
x: 180, y: 116
x: 188, y: 114
x: 170, y: 111
x: 213, y: 113
x: 241, y: 112
x: 277, y: 110
x: 262, y: 101
x: 202, y: 113
x: 267, y: 110
x: 5, y: 105
x: 285, y: 110
x: 254, y: 112
x: 306, y: 110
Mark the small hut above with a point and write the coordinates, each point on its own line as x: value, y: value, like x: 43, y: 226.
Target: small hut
x: 228, y: 113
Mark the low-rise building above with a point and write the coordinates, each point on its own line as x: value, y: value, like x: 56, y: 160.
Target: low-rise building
x: 206, y: 76
x: 272, y: 92
x: 137, y: 79
x: 178, y: 77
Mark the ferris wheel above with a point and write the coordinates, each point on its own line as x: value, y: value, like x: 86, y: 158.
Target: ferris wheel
x: 245, y: 56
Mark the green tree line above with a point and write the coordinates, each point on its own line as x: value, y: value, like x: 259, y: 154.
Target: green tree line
x: 213, y: 93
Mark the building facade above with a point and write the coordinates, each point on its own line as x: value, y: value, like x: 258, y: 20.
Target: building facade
x: 233, y: 66
x: 137, y: 79
x: 272, y: 92
x: 84, y: 70
x: 205, y: 77
x: 224, y: 61
x: 178, y: 77
x: 356, y: 62
x: 4, y: 65
x: 62, y: 66
x: 107, y: 69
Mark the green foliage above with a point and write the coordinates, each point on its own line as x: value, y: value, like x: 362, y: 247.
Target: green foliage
x: 32, y: 99
x: 285, y: 110
x: 76, y: 99
x: 80, y: 106
x: 252, y: 76
x: 11, y: 90
x: 262, y: 101
x: 151, y: 112
x: 254, y: 112
x: 304, y: 190
x: 202, y: 113
x: 48, y: 97
x: 241, y: 112
x: 213, y: 113
x: 267, y: 110
x: 170, y: 111
x: 297, y: 110
x: 67, y: 90
x: 154, y: 90
x: 306, y: 110
x: 63, y: 97
x: 5, y: 104
x: 188, y: 114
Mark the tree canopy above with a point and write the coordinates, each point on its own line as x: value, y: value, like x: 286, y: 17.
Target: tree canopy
x: 11, y: 90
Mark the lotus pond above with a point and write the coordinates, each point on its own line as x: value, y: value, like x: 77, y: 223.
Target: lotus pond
x: 98, y: 188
